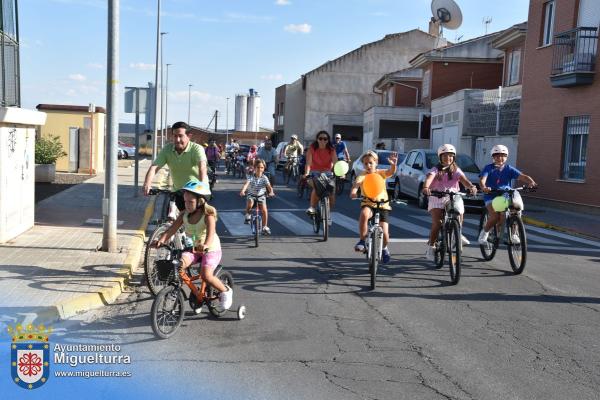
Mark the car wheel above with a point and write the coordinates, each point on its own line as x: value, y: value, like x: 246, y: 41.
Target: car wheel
x: 125, y: 154
x: 422, y: 199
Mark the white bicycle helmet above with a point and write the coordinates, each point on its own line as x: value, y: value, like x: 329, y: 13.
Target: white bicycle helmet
x: 446, y: 148
x: 197, y: 187
x: 499, y: 149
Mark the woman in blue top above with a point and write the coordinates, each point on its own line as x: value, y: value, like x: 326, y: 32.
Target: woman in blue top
x: 497, y: 176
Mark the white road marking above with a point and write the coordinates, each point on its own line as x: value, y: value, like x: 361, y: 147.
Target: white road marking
x: 409, y: 226
x: 293, y: 223
x: 234, y: 223
x: 349, y: 223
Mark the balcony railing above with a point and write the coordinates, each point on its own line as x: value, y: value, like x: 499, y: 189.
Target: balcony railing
x: 574, y: 58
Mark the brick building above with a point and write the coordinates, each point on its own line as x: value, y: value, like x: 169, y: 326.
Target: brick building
x: 559, y: 134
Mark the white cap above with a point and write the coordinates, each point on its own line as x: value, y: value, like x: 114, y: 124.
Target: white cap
x: 337, y: 135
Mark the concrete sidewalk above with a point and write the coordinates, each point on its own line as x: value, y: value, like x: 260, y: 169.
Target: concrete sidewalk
x: 54, y: 270
x: 580, y: 221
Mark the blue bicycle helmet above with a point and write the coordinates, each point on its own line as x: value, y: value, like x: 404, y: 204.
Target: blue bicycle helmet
x: 201, y: 189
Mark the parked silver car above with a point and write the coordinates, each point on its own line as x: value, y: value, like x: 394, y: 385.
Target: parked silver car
x: 412, y: 171
x: 383, y: 155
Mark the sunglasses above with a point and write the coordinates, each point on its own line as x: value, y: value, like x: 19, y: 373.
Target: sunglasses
x: 324, y: 138
x: 499, y: 155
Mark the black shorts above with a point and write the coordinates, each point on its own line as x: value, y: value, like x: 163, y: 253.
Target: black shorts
x: 179, y: 202
x: 383, y: 213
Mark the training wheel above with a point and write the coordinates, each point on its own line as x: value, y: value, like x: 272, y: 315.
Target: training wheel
x: 241, y: 312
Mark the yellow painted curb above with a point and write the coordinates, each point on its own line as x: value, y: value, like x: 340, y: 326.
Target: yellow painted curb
x: 545, y: 225
x: 109, y: 294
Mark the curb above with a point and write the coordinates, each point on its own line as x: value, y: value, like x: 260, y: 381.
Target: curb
x: 545, y: 225
x: 109, y: 294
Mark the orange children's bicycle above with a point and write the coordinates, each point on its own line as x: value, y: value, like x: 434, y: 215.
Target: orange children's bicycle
x: 168, y: 308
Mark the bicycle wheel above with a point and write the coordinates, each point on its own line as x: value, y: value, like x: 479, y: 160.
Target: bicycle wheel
x: 257, y: 229
x: 300, y: 188
x: 454, y: 251
x: 316, y: 220
x: 214, y: 306
x: 339, y: 186
x: 151, y: 255
x: 488, y: 250
x: 440, y: 249
x: 374, y: 256
x: 167, y: 311
x: 517, y: 252
x: 325, y: 218
x: 295, y: 172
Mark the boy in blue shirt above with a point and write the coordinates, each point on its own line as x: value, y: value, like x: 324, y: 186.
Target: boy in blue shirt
x: 497, y: 176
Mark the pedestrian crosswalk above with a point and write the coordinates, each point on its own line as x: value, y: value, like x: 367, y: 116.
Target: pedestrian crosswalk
x: 403, y: 228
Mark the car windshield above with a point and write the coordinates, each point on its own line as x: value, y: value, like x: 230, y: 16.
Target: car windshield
x: 467, y: 164
x: 464, y: 162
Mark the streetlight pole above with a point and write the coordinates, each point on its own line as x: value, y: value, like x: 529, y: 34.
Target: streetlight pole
x: 156, y: 123
x: 189, y: 101
x: 109, y: 200
x: 162, y: 92
x: 227, y: 122
x: 167, y: 102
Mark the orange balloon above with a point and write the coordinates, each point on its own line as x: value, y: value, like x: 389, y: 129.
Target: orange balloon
x: 373, y: 185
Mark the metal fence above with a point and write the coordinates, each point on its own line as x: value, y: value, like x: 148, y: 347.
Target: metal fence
x: 491, y: 112
x: 10, y: 87
x: 575, y: 51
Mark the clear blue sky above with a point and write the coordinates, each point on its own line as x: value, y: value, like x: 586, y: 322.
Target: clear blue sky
x: 221, y: 47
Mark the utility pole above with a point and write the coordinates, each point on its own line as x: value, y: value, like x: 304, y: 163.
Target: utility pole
x: 167, y: 103
x: 227, y: 122
x: 216, y: 119
x: 189, y: 101
x: 109, y: 201
x: 156, y: 83
x: 162, y: 92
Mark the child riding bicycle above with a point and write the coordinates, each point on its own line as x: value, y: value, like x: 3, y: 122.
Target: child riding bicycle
x: 258, y: 185
x: 444, y: 176
x: 370, y: 160
x: 200, y: 220
x: 497, y: 176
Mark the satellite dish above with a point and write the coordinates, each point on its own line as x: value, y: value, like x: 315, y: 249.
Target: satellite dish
x: 446, y: 13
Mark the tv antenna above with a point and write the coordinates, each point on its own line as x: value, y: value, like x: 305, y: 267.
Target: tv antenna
x: 486, y: 22
x: 446, y: 14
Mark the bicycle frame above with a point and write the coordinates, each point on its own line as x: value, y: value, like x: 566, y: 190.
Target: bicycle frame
x: 450, y: 236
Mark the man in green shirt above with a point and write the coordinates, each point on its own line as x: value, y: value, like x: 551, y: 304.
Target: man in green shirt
x: 186, y: 161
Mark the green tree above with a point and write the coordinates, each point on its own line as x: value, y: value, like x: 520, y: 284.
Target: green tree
x: 48, y: 149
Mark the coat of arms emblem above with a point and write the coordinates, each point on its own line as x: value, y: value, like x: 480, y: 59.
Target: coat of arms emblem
x: 30, y: 355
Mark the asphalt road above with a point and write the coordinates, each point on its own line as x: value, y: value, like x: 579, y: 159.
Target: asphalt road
x: 314, y: 330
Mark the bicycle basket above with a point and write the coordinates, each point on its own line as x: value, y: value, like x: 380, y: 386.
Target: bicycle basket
x: 164, y: 268
x: 324, y: 185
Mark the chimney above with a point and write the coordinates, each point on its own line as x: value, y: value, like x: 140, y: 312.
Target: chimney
x: 434, y: 27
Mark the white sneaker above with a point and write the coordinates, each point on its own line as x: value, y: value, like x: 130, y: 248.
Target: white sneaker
x: 515, y: 239
x: 226, y: 298
x: 266, y: 230
x: 464, y: 240
x: 311, y: 211
x: 483, y: 237
x: 429, y: 254
x: 247, y: 218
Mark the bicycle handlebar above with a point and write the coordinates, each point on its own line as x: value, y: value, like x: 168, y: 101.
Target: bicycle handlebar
x: 440, y: 194
x: 379, y: 202
x: 156, y: 191
x: 523, y: 188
